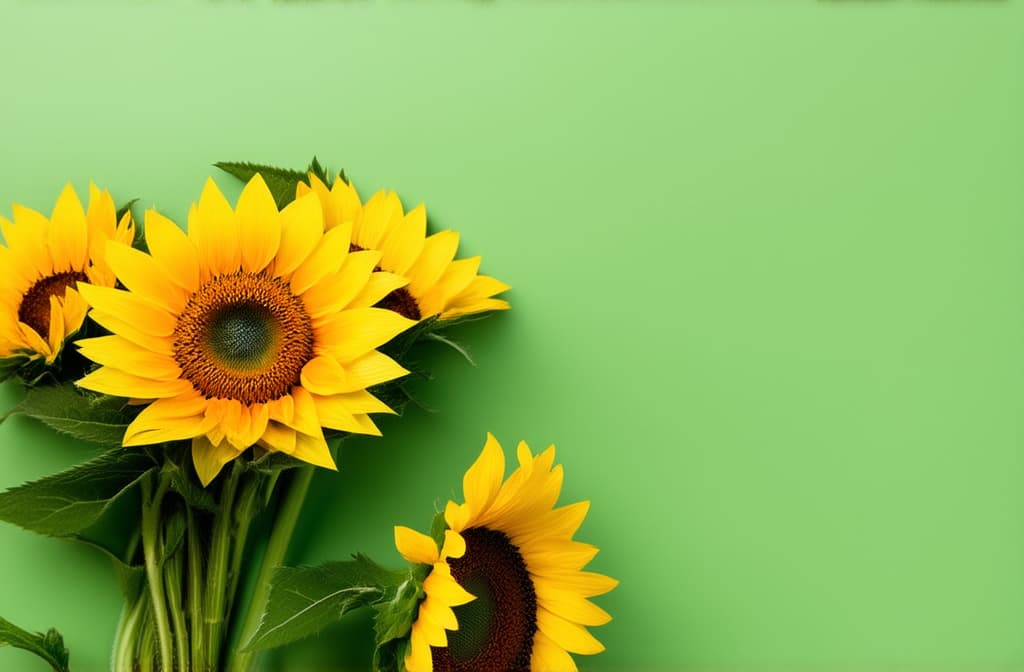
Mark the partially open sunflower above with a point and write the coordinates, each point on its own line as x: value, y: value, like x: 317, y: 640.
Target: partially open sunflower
x: 41, y: 264
x: 254, y: 328
x: 512, y: 551
x: 439, y: 284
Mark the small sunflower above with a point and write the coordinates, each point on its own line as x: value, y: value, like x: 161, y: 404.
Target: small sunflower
x: 439, y: 284
x: 508, y: 547
x: 255, y: 328
x: 41, y: 264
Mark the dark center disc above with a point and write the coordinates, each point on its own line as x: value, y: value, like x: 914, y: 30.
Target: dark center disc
x: 496, y: 630
x: 243, y: 336
x: 35, y: 305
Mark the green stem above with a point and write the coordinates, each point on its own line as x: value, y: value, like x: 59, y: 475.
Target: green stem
x: 127, y: 634
x: 277, y: 547
x: 195, y: 593
x: 216, y: 576
x: 244, y: 512
x: 144, y: 652
x: 152, y: 550
x: 172, y: 574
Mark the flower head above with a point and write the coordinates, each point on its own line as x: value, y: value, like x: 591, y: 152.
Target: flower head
x: 41, y: 264
x: 255, y: 328
x: 439, y: 284
x: 511, y: 550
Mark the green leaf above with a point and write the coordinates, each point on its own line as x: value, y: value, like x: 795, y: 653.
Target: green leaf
x: 196, y: 496
x: 281, y: 181
x: 50, y: 646
x: 70, y: 502
x: 393, y: 622
x: 304, y: 600
x: 89, y: 417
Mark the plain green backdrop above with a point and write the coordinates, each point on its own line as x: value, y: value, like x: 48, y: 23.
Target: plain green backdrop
x: 768, y: 269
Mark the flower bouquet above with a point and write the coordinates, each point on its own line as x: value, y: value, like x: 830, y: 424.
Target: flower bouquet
x: 220, y: 366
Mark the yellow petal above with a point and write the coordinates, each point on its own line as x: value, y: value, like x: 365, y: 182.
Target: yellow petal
x: 305, y: 419
x: 455, y: 278
x: 213, y: 227
x: 143, y: 276
x: 351, y: 334
x: 550, y: 657
x: 151, y: 318
x: 380, y: 214
x: 438, y: 251
x: 69, y: 232
x: 121, y: 353
x: 334, y: 413
x: 441, y: 584
x: 28, y: 238
x: 161, y: 344
x: 259, y: 225
x: 323, y: 375
x: 302, y: 227
x: 470, y: 308
x: 173, y: 251
x: 372, y: 369
x: 56, y: 335
x: 415, y: 546
x: 483, y: 480
x: 209, y: 459
x: 325, y: 260
x: 120, y: 384
x: 569, y: 605
x: 403, y: 244
x: 454, y: 545
x: 333, y: 292
x: 569, y: 636
x: 101, y: 215
x: 314, y: 450
x: 278, y: 437
x: 171, y: 419
x: 377, y: 287
x: 420, y: 659
x: 558, y: 556
x: 585, y: 584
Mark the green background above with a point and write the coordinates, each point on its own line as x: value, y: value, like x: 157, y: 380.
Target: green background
x: 767, y: 263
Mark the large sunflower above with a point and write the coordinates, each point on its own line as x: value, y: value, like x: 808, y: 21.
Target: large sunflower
x: 439, y: 284
x: 513, y: 551
x: 255, y: 328
x: 43, y: 260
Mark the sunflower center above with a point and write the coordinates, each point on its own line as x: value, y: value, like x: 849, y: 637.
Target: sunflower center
x: 243, y: 336
x: 399, y: 301
x: 35, y: 305
x: 496, y: 630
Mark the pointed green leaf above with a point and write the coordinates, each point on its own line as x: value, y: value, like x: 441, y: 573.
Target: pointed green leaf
x: 281, y: 181
x: 304, y: 600
x: 72, y: 501
x: 50, y: 646
x: 89, y: 417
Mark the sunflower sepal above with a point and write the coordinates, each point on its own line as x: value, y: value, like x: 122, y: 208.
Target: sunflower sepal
x: 394, y: 619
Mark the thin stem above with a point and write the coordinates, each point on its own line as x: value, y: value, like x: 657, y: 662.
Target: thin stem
x: 195, y: 593
x: 152, y: 549
x: 242, y: 523
x: 144, y: 653
x: 172, y: 575
x: 127, y: 633
x: 216, y: 577
x: 277, y: 547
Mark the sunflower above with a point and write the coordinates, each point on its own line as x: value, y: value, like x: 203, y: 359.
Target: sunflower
x: 43, y: 260
x: 513, y: 551
x: 439, y: 284
x: 255, y: 328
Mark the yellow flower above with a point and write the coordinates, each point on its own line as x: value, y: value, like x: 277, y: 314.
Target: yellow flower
x: 508, y: 547
x: 44, y: 258
x: 439, y: 284
x: 254, y: 328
